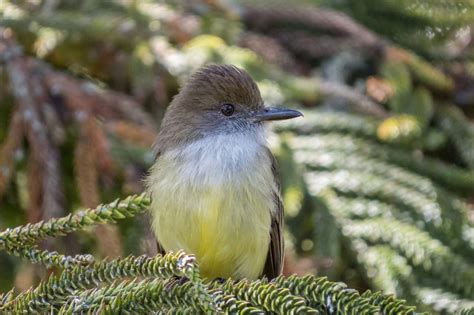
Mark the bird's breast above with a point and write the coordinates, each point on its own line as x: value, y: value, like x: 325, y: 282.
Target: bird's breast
x: 214, y: 198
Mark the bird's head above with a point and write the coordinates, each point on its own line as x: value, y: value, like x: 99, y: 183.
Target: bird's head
x: 217, y: 99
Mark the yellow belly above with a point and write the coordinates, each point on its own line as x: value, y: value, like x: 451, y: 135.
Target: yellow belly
x: 222, y: 218
x: 229, y: 237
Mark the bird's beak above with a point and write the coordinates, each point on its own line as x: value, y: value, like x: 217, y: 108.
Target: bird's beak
x: 274, y: 113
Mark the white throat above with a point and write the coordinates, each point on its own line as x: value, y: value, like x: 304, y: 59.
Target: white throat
x: 217, y: 159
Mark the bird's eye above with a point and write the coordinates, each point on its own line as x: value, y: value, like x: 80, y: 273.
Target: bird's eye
x: 227, y: 109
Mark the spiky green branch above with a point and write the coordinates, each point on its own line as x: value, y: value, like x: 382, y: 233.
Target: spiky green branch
x: 353, y: 134
x: 107, y: 213
x: 269, y: 297
x: 53, y: 292
x: 417, y: 246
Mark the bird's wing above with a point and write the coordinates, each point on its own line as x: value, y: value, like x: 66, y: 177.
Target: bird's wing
x: 274, y: 262
x: 159, y: 248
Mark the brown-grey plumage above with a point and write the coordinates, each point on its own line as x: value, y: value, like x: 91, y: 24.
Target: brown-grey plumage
x: 274, y: 262
x: 200, y: 98
x: 198, y: 113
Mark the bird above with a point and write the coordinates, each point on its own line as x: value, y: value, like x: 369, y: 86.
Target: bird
x: 214, y: 185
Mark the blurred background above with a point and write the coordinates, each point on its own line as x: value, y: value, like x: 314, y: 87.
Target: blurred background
x: 378, y: 178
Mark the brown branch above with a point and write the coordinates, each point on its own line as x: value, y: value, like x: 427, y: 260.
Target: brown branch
x: 55, y: 126
x: 8, y: 149
x: 53, y: 198
x: 86, y: 162
x: 270, y: 50
x: 25, y: 89
x: 35, y: 189
x: 305, y: 44
x: 43, y: 172
x: 105, y: 163
x: 333, y: 22
x: 84, y: 96
x: 85, y: 165
x: 131, y: 133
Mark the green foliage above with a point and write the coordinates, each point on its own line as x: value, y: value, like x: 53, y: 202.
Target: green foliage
x: 399, y: 215
x: 406, y: 100
x: 170, y: 283
x: 358, y: 135
x: 420, y: 25
x: 459, y: 130
x: 380, y: 201
x: 31, y: 233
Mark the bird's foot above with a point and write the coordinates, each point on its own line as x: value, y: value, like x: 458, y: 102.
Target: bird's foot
x: 220, y: 280
x: 175, y: 281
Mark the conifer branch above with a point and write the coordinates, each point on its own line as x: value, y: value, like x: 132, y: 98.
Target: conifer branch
x: 354, y: 134
x: 48, y: 258
x: 423, y: 252
x: 388, y: 303
x: 73, y: 290
x: 442, y: 222
x: 232, y: 305
x: 460, y: 130
x: 421, y: 70
x: 441, y: 300
x: 318, y: 121
x: 268, y: 296
x: 106, y: 213
x: 79, y: 277
x: 417, y: 246
x: 327, y: 296
x: 148, y: 295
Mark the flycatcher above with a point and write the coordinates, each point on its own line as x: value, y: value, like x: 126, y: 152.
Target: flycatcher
x: 214, y: 186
